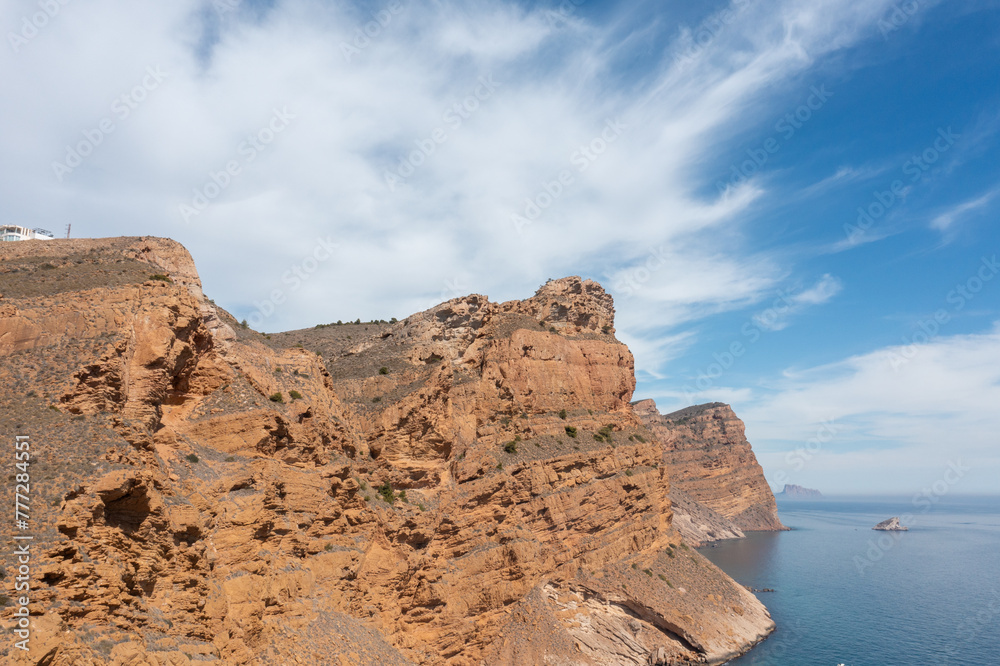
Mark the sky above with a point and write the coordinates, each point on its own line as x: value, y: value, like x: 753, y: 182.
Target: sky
x: 794, y: 202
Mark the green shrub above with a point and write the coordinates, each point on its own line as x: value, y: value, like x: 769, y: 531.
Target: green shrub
x: 377, y: 399
x: 383, y: 370
x: 510, y: 447
x: 421, y: 506
x: 328, y: 547
x: 640, y: 438
x: 192, y: 458
x: 562, y: 414
x: 571, y: 431
x: 628, y: 472
x: 277, y: 397
x: 157, y: 276
x: 294, y: 395
x: 277, y: 370
x: 244, y: 324
x: 648, y: 572
x: 385, y: 490
x: 230, y: 458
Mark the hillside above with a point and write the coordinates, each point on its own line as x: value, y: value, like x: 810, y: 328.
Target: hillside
x: 469, y: 485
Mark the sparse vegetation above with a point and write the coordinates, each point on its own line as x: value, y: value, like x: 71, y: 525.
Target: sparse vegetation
x: 510, y: 447
x: 571, y: 431
x: 605, y: 329
x: 276, y: 397
x: 294, y: 395
x: 191, y: 458
x: 244, y: 324
x: 383, y: 370
x: 604, y: 434
x: 377, y: 399
x: 387, y: 493
x: 328, y: 547
x: 156, y: 276
x: 230, y: 458
x: 628, y: 472
x: 277, y: 370
x: 420, y: 505
x: 648, y: 572
x: 640, y: 438
x: 562, y: 414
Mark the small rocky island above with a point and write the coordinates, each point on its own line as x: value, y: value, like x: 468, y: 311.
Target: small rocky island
x: 792, y: 491
x: 891, y: 525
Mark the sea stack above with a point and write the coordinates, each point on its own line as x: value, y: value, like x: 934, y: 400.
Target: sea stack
x: 891, y: 525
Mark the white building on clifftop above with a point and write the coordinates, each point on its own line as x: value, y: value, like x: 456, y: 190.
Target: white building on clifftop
x: 13, y: 232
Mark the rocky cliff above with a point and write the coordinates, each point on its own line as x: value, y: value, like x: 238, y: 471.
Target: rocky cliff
x: 468, y: 486
x: 721, y: 490
x: 792, y: 491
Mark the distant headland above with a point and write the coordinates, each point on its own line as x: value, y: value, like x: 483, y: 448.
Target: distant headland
x: 792, y: 491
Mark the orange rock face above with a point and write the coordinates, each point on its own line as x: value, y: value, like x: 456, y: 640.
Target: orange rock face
x: 711, y: 462
x: 468, y: 486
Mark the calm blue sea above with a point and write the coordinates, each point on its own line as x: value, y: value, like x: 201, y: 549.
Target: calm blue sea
x: 845, y: 594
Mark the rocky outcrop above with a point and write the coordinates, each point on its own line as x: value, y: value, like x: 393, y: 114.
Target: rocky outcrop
x: 470, y: 485
x: 792, y: 491
x: 891, y: 525
x: 711, y: 462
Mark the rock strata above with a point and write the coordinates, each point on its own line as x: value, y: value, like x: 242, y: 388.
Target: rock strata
x: 711, y: 463
x: 468, y: 486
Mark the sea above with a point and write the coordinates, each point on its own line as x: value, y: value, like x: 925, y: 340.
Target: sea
x: 845, y: 594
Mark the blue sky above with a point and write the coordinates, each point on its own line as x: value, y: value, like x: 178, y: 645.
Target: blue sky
x: 705, y: 162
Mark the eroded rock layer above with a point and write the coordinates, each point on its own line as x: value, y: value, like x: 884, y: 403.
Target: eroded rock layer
x: 468, y: 486
x: 710, y: 461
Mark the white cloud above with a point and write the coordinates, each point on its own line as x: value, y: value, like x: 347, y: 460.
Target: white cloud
x: 944, y: 221
x: 355, y: 119
x: 911, y: 410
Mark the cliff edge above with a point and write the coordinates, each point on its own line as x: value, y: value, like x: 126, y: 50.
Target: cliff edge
x: 711, y: 463
x: 468, y: 486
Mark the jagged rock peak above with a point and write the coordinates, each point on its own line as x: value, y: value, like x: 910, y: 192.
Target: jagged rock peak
x: 573, y: 301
